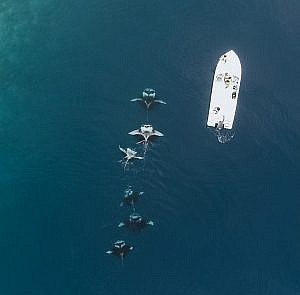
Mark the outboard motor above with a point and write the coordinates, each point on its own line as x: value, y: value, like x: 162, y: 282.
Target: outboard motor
x: 220, y: 125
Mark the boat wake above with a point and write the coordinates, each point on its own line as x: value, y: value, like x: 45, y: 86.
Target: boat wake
x: 224, y: 136
x: 125, y: 164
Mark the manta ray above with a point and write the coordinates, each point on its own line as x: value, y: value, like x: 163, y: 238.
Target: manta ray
x: 136, y: 222
x: 130, y: 198
x: 120, y: 249
x: 148, y: 97
x: 146, y: 131
x: 129, y: 154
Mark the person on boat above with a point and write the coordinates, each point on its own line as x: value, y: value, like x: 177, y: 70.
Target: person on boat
x: 120, y: 249
x: 136, y: 222
x: 216, y: 110
x: 227, y: 79
x: 219, y: 77
x: 224, y: 58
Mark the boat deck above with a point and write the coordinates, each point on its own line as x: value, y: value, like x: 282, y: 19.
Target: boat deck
x: 225, y: 90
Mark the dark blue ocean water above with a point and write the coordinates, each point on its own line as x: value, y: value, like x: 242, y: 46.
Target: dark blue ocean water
x: 227, y: 215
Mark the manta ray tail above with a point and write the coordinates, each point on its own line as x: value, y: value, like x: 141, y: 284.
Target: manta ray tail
x: 122, y: 150
x: 122, y: 258
x: 144, y: 140
x: 139, y: 158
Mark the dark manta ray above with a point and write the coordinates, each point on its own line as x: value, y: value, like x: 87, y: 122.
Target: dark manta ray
x: 120, y: 249
x: 148, y: 97
x: 130, y: 198
x: 146, y: 131
x: 136, y: 222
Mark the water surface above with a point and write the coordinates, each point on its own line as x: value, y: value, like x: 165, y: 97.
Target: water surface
x: 227, y: 215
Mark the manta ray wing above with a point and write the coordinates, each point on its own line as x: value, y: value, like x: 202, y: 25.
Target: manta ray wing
x: 135, y: 132
x: 139, y: 158
x: 121, y: 224
x: 160, y: 101
x: 136, y: 99
x: 142, y: 141
x: 157, y: 133
x: 122, y: 150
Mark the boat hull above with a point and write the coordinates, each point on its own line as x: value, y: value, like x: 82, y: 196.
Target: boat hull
x: 225, y: 91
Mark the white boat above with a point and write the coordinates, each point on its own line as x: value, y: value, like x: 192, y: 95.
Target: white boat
x: 225, y: 91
